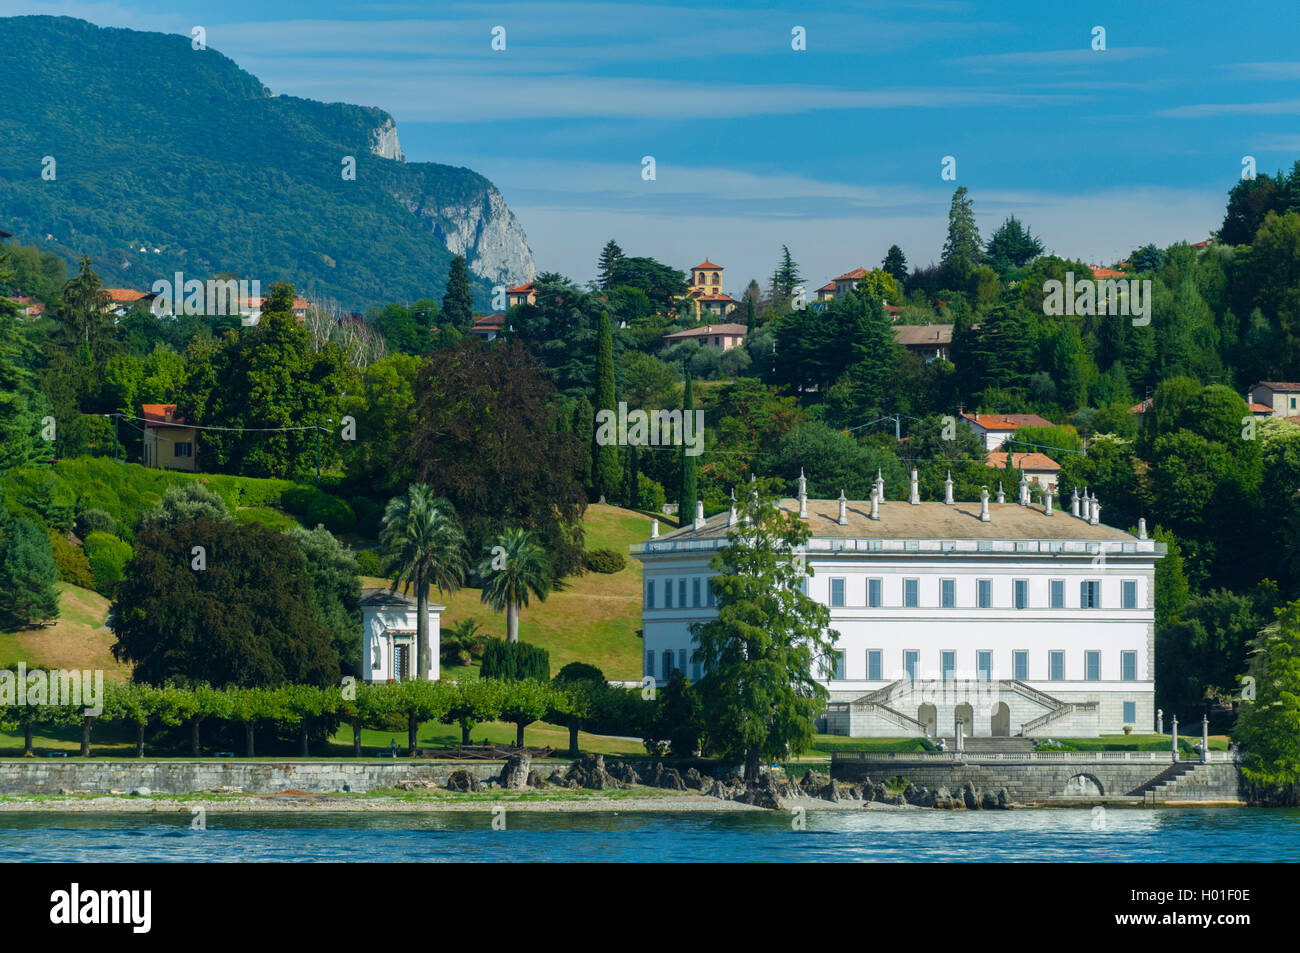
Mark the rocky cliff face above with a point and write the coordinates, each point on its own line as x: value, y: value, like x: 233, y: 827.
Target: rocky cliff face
x: 485, y: 231
x: 383, y: 142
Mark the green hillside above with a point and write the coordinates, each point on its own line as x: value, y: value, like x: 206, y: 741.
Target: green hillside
x: 159, y: 145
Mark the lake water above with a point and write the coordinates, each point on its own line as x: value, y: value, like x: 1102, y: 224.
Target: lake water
x: 1052, y: 835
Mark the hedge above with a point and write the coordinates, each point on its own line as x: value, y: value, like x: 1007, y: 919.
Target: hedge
x: 108, y: 557
x: 515, y: 661
x: 71, y: 562
x: 604, y: 561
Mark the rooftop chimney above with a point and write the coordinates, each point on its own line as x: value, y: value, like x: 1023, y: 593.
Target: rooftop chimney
x: 915, y: 498
x: 1024, y: 489
x: 731, y: 514
x: 803, y: 496
x: 844, y: 516
x: 1142, y: 528
x: 1074, y: 501
x: 1047, y: 499
x: 875, y: 506
x: 880, y: 486
x: 984, y: 504
x: 1002, y: 497
x: 699, y: 514
x: 947, y: 489
x: 1095, y: 518
x: 654, y: 529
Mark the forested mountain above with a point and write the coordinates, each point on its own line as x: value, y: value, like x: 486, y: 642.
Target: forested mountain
x: 153, y: 144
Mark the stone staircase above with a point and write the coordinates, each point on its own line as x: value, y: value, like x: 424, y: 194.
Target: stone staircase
x: 1191, y: 781
x: 985, y: 745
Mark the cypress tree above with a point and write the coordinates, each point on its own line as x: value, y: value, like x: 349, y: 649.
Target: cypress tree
x: 689, y: 487
x: 584, y: 433
x: 458, y: 301
x: 631, y: 485
x: 606, y: 472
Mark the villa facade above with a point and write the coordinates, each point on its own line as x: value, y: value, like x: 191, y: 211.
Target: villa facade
x: 1017, y: 618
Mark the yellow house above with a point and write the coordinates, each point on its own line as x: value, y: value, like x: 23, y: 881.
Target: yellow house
x: 168, y: 443
x: 706, y: 291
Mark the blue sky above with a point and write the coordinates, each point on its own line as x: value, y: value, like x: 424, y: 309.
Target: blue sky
x: 835, y: 150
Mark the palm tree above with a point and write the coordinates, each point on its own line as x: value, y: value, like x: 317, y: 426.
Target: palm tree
x: 422, y: 537
x: 514, y: 567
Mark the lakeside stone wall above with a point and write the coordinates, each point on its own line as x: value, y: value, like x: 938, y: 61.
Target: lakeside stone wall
x: 1042, y: 780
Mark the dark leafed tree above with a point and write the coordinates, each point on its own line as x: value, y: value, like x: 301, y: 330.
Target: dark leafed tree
x: 86, y: 327
x: 961, y: 251
x: 768, y: 644
x: 606, y: 268
x: 605, y: 468
x: 458, y: 300
x: 690, y: 475
x: 786, y: 276
x: 661, y: 283
x: 631, y: 472
x: 1012, y: 246
x: 487, y: 438
x: 895, y: 263
x: 21, y: 407
x: 336, y: 589
x: 248, y: 618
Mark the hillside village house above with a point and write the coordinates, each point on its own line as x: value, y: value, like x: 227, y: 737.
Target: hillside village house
x: 1012, y: 618
x: 928, y: 341
x: 847, y: 282
x: 993, y: 429
x: 521, y: 294
x: 1275, y: 398
x: 250, y: 309
x: 489, y: 326
x: 388, y: 621
x: 122, y: 300
x: 168, y: 443
x: 724, y: 336
x: 705, y: 290
x: 1039, y: 468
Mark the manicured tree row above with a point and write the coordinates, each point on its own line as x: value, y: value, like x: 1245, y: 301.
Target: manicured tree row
x: 304, y: 708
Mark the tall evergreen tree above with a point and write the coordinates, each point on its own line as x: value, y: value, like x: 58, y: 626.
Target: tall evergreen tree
x: 20, y: 404
x: 610, y: 256
x: 1012, y: 246
x: 458, y: 300
x: 896, y: 264
x: 27, y: 575
x: 605, y: 468
x: 631, y: 482
x: 961, y: 251
x: 584, y: 435
x: 786, y: 276
x: 689, y: 474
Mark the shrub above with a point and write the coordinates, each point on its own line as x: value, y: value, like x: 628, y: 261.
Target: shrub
x: 108, y: 557
x: 296, y: 499
x: 604, y: 560
x: 95, y: 521
x: 270, y: 518
x: 515, y: 661
x: 579, y: 672
x: 651, y: 497
x: 332, y: 513
x: 369, y: 515
x: 71, y: 562
x: 370, y: 563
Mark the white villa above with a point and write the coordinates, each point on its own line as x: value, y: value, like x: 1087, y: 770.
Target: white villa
x: 1014, y: 618
x: 388, y: 633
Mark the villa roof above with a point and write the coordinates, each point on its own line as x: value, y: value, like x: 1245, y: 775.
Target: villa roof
x: 853, y: 275
x: 521, y: 289
x: 902, y: 520
x: 1278, y: 385
x: 160, y: 415
x: 125, y: 295
x: 915, y: 335
x: 710, y: 329
x: 707, y: 265
x: 1007, y: 422
x: 1023, y: 461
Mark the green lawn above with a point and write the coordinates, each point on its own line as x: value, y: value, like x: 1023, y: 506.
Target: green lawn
x: 76, y: 640
x: 596, y: 620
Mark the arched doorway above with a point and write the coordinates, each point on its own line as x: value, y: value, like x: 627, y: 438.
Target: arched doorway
x: 1001, y: 720
x: 966, y: 715
x: 927, y: 716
